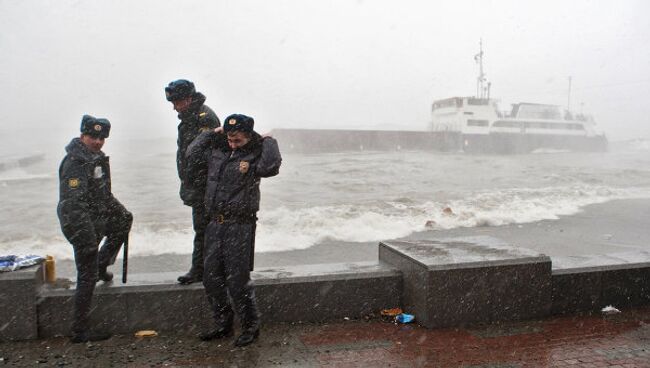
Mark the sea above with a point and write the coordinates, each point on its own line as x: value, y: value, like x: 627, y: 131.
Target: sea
x: 351, y: 197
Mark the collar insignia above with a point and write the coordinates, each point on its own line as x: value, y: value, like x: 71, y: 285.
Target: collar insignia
x: 98, y: 173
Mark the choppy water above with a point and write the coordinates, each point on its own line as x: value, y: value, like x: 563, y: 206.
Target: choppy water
x: 354, y: 197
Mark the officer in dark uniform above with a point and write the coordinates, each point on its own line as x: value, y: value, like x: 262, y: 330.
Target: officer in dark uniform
x: 88, y: 212
x: 236, y: 162
x: 195, y: 118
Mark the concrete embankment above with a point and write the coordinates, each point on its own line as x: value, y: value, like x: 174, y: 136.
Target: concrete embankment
x: 445, y: 284
x: 445, y: 280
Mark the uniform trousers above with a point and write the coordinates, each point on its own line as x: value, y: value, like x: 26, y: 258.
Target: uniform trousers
x: 115, y: 225
x: 199, y: 223
x: 227, y: 273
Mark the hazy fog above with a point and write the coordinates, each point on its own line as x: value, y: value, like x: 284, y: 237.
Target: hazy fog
x: 339, y: 64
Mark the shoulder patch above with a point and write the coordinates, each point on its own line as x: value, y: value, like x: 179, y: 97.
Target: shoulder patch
x: 73, y: 183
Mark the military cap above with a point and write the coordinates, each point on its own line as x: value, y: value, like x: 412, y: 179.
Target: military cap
x: 179, y: 89
x: 238, y: 122
x: 95, y: 127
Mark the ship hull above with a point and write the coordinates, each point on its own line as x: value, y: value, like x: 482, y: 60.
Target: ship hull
x: 332, y: 140
x: 513, y: 143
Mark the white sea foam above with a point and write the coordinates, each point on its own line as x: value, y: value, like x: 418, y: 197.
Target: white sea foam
x: 283, y: 229
x: 142, y: 242
x: 353, y: 198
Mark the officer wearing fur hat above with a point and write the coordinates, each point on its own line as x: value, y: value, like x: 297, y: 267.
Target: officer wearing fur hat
x: 236, y: 162
x: 88, y: 212
x: 195, y: 118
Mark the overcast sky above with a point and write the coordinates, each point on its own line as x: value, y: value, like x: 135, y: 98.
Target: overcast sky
x: 319, y: 64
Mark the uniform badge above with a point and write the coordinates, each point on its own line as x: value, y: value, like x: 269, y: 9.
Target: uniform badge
x: 98, y: 173
x: 243, y: 167
x: 232, y: 121
x: 98, y: 127
x: 203, y: 114
x: 73, y: 183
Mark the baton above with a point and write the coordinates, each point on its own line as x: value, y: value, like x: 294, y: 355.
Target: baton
x: 252, y: 259
x: 125, y: 259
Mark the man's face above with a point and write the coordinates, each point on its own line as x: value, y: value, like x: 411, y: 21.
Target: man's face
x: 237, y: 139
x: 94, y: 144
x: 182, y: 104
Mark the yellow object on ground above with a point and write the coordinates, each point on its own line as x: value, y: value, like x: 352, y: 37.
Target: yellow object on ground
x: 146, y: 333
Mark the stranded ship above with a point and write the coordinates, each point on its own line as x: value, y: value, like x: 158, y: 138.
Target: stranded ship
x: 464, y: 124
x: 476, y: 124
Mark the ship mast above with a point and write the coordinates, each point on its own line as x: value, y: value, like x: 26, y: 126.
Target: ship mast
x: 568, y: 102
x: 482, y: 91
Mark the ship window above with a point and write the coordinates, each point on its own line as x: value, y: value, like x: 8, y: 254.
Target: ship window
x: 474, y: 122
x: 568, y: 126
x: 530, y: 111
x: 477, y: 101
x: 507, y: 124
x: 450, y: 102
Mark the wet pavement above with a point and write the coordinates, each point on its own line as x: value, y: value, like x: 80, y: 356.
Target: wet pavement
x: 620, y: 340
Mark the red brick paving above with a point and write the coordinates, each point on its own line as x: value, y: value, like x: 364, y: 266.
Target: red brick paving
x: 587, y: 341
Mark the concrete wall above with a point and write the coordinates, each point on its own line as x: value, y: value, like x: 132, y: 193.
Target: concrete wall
x: 312, y: 293
x: 442, y: 283
x: 589, y: 289
x: 18, y: 297
x: 462, y: 283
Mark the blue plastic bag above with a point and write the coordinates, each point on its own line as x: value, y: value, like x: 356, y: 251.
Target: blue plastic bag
x: 404, y: 318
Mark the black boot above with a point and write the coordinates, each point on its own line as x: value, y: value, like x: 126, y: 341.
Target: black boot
x: 89, y: 336
x: 190, y: 278
x: 217, y: 333
x: 104, y: 275
x: 247, y: 336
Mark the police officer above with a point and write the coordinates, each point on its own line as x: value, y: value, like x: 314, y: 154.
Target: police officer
x: 195, y: 117
x: 88, y: 212
x: 236, y: 162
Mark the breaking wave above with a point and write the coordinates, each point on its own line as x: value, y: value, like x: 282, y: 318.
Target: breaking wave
x: 285, y: 229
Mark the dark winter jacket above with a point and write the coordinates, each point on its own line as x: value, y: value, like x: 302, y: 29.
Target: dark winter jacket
x: 196, y: 119
x: 233, y: 191
x: 84, y: 190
